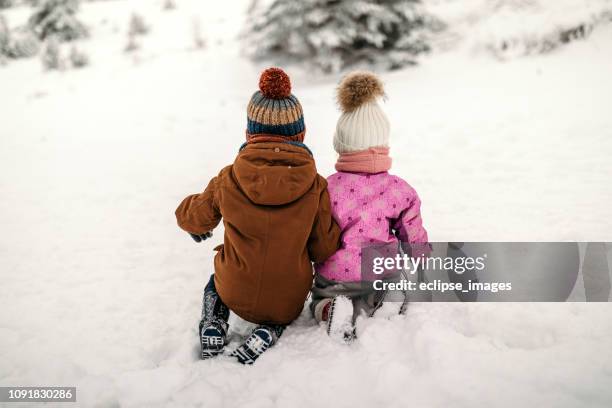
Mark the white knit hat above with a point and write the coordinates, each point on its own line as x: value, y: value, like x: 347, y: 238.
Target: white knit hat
x: 362, y: 124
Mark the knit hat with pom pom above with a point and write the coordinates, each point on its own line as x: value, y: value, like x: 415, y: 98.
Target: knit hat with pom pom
x: 273, y: 110
x: 362, y: 124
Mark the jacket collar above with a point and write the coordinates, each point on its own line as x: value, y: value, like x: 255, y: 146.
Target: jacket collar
x: 291, y: 142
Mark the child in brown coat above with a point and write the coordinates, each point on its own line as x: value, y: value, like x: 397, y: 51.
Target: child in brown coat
x: 277, y: 218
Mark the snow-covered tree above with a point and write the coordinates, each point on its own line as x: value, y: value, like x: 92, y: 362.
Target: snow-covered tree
x: 52, y: 58
x: 5, y: 36
x: 24, y: 44
x: 137, y: 28
x: 58, y: 18
x: 137, y: 25
x: 6, y: 3
x: 169, y: 5
x: 18, y: 43
x: 334, y: 34
x: 78, y: 58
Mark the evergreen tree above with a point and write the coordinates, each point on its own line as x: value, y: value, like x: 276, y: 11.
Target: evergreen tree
x: 6, y: 3
x: 18, y: 43
x: 57, y: 18
x: 5, y: 36
x: 51, y: 57
x: 334, y: 34
x: 138, y: 26
x: 24, y: 44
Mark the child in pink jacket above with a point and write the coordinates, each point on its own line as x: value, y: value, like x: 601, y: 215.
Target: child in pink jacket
x: 371, y: 206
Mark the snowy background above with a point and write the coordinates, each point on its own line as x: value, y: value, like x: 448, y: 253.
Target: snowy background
x: 100, y: 290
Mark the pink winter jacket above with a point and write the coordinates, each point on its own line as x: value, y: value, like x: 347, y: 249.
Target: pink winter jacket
x: 370, y: 209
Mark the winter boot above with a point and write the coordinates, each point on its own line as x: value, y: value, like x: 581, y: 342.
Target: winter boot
x: 212, y: 338
x: 213, y: 325
x: 340, y: 325
x: 262, y: 338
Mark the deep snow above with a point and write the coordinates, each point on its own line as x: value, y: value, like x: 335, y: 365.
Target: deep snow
x: 101, y: 290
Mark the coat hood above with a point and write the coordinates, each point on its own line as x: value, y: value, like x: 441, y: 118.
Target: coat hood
x: 274, y: 173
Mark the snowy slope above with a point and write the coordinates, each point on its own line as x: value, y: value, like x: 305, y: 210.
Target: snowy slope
x: 101, y: 290
x: 512, y: 28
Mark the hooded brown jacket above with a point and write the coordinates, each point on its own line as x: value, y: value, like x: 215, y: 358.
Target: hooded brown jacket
x: 277, y: 219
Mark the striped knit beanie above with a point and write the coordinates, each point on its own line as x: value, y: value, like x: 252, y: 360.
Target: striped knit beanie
x: 273, y: 110
x: 363, y: 124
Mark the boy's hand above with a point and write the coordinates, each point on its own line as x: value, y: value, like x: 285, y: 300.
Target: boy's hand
x: 200, y: 238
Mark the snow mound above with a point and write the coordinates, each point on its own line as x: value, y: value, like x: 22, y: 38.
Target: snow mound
x: 511, y: 28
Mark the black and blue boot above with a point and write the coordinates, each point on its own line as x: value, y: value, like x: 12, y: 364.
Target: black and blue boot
x: 213, y: 325
x: 260, y: 340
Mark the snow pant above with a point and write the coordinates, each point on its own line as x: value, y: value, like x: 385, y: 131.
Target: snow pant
x: 213, y: 308
x: 365, y: 299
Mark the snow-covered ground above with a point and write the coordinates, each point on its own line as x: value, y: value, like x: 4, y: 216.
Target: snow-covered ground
x: 101, y: 290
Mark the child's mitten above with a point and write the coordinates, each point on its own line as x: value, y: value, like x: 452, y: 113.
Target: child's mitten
x: 200, y: 238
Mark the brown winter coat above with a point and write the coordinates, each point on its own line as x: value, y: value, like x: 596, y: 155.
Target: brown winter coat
x: 277, y: 219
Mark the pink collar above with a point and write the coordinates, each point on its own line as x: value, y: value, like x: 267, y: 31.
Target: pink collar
x: 372, y: 160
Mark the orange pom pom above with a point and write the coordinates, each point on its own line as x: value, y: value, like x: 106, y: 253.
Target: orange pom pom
x: 274, y: 83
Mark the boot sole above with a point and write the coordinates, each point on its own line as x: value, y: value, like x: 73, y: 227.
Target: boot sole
x: 344, y: 330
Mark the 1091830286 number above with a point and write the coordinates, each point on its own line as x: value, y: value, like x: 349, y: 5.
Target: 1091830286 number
x: 38, y: 394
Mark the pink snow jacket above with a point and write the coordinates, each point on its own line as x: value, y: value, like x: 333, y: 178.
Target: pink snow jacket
x: 370, y: 209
